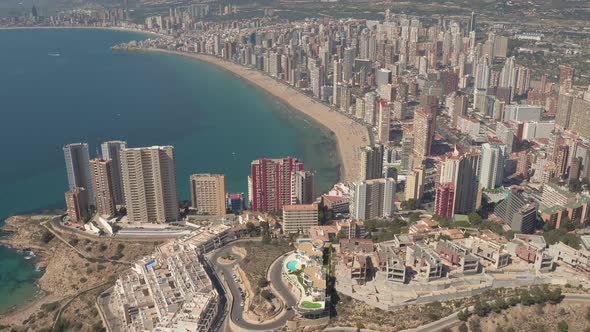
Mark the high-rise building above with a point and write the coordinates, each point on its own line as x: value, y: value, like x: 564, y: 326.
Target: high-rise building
x: 461, y: 172
x: 371, y: 162
x: 347, y: 64
x: 566, y: 78
x: 76, y: 204
x: 101, y: 171
x: 491, y: 172
x: 149, y: 184
x: 78, y: 168
x: 299, y: 218
x: 336, y: 78
x: 373, y: 199
x: 370, y: 101
x: 415, y: 184
x: 208, y: 193
x: 459, y: 109
x: 383, y: 121
x: 444, y: 202
x: 518, y: 212
x: 271, y: 181
x: 112, y: 150
x: 482, y: 73
x: 424, y: 126
x: 471, y: 23
x: 302, y: 188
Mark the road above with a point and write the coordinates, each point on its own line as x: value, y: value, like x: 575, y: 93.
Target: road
x: 225, y: 272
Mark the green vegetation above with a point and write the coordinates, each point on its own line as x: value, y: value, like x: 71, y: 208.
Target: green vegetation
x: 527, y: 297
x: 385, y: 229
x: 311, y: 305
x: 51, y: 306
x: 410, y: 204
x: 47, y: 236
x: 262, y: 282
x: 577, y: 186
x: 562, y: 326
x: 561, y: 235
x: 267, y: 295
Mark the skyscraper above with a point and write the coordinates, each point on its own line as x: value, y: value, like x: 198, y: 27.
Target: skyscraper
x: 373, y: 199
x: 491, y: 172
x: 302, y: 188
x: 472, y: 22
x: 383, y: 121
x: 102, y: 180
x: 347, y: 64
x: 76, y: 204
x: 424, y: 126
x: 149, y: 184
x: 518, y: 212
x: 78, y: 168
x: 271, y: 181
x: 112, y: 150
x: 566, y: 78
x: 461, y: 171
x: 415, y: 184
x: 208, y: 193
x: 444, y: 203
x: 371, y: 162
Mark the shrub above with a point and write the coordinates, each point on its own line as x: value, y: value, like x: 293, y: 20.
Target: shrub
x: 51, y: 306
x: 463, y: 328
x: 267, y: 295
x: 83, y: 280
x: 562, y: 326
x: 262, y: 282
x: 47, y: 236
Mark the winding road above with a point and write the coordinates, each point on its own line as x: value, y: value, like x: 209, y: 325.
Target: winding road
x: 225, y: 271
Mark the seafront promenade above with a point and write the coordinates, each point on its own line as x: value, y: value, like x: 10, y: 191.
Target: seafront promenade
x: 350, y: 135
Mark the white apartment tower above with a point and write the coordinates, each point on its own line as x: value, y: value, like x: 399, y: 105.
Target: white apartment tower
x: 149, y: 184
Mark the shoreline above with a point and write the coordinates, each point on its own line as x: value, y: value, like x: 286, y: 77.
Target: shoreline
x: 85, y: 28
x: 350, y: 136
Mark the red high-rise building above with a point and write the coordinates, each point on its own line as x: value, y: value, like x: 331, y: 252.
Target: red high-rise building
x: 271, y: 180
x: 444, y: 204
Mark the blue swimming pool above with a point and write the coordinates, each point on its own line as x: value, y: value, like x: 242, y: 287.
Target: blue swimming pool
x: 292, y: 265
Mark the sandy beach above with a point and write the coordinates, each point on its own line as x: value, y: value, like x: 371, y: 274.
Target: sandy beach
x: 350, y: 135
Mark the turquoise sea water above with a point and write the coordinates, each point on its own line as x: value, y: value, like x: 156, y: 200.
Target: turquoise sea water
x: 217, y: 123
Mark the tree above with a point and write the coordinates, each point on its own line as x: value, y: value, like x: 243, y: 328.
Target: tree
x: 575, y: 185
x: 262, y: 282
x: 562, y: 326
x: 267, y: 295
x: 463, y: 315
x: 463, y: 328
x: 410, y: 204
x: 251, y: 229
x: 481, y: 309
x: 475, y: 219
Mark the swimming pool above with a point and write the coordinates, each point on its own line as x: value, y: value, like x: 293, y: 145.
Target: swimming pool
x: 292, y: 265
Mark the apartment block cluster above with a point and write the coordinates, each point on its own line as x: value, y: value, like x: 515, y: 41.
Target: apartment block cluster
x: 170, y: 289
x: 143, y: 180
x: 407, y: 79
x: 425, y: 267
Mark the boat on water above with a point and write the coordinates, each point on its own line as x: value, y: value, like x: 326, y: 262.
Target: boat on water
x: 53, y: 54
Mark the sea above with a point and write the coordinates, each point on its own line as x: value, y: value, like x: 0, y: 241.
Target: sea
x: 60, y: 86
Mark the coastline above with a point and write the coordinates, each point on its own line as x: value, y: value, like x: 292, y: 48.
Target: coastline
x: 350, y: 136
x: 86, y: 28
